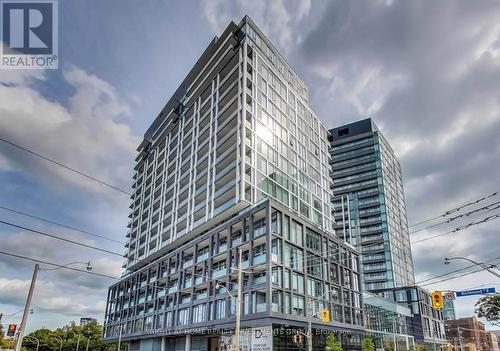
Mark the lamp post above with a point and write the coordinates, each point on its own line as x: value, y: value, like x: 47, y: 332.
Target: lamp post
x: 61, y: 341
x: 486, y: 266
x: 37, y: 341
x: 78, y: 342
x: 238, y: 301
x: 312, y: 314
x: 88, y: 340
x: 120, y: 337
x: 27, y: 306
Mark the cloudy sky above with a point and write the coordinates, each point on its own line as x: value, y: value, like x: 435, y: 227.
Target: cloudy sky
x: 428, y: 73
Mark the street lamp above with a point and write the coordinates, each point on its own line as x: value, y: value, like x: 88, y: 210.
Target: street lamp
x: 238, y: 313
x: 37, y: 341
x: 88, y: 340
x: 238, y: 300
x: 88, y: 266
x: 61, y: 341
x: 487, y: 267
x: 30, y: 296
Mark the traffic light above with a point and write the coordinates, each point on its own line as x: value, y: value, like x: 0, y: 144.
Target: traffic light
x: 298, y: 338
x: 437, y: 300
x: 325, y: 315
x: 12, y: 330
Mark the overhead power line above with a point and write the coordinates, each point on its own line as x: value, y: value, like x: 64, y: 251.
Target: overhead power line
x: 488, y: 208
x: 60, y: 238
x: 455, y: 277
x: 456, y: 209
x: 64, y: 166
x: 57, y: 265
x: 456, y: 270
x: 60, y: 224
x: 465, y: 226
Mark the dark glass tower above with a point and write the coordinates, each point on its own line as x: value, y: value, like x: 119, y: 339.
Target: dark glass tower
x: 368, y: 194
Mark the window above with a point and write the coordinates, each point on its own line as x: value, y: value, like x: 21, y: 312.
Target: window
x: 343, y: 131
x: 138, y: 325
x: 298, y: 305
x: 183, y: 316
x: 314, y: 287
x: 277, y: 301
x: 159, y: 319
x: 276, y: 276
x: 276, y: 250
x: 314, y: 265
x: 297, y: 283
x: 313, y: 240
x: 199, y: 313
x: 295, y: 233
x: 276, y: 222
x: 294, y: 257
x: 219, y: 269
x: 260, y: 302
x: 168, y: 319
x: 220, y: 309
x: 148, y: 323
x: 259, y: 254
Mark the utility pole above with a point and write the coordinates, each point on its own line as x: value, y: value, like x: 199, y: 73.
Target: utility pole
x: 88, y: 341
x: 460, y: 338
x: 309, y: 327
x: 238, y: 302
x: 27, y: 307
x: 120, y: 337
x: 394, y: 334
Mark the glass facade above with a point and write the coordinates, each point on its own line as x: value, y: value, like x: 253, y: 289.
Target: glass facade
x: 369, y: 203
x: 388, y: 322
x: 285, y: 279
x: 426, y: 323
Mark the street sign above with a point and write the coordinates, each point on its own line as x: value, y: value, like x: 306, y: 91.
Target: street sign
x: 450, y: 296
x: 475, y: 292
x: 12, y: 330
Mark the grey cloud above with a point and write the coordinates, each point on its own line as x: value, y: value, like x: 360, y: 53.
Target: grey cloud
x: 429, y: 74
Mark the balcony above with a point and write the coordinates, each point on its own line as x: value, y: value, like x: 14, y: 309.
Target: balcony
x: 202, y: 257
x: 219, y: 273
x: 259, y: 259
x: 260, y: 280
x: 188, y: 263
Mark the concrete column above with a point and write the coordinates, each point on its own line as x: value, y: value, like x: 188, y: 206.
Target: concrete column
x: 188, y: 342
x: 163, y: 342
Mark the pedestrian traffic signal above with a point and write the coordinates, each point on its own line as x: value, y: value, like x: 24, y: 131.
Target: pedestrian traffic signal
x: 325, y: 315
x: 437, y: 300
x: 12, y: 330
x: 298, y: 338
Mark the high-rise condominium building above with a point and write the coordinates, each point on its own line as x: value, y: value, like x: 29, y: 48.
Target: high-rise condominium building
x: 368, y: 194
x: 236, y: 161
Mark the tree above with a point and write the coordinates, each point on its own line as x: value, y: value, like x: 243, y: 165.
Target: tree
x: 488, y: 307
x: 368, y: 344
x: 50, y: 340
x: 332, y: 344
